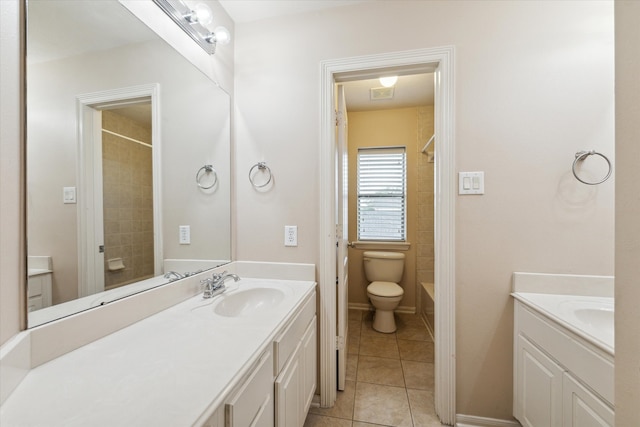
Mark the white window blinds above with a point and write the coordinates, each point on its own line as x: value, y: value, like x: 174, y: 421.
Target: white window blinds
x: 382, y: 177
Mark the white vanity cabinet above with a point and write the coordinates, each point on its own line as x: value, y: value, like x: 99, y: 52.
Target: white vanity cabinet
x: 279, y: 387
x: 251, y: 405
x: 295, y: 367
x: 39, y: 291
x: 559, y: 378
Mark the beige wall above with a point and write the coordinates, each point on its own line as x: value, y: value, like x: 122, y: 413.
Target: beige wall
x: 533, y: 85
x: 384, y: 128
x: 627, y: 391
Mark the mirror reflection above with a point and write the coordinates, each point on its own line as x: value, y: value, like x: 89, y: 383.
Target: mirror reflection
x: 119, y: 126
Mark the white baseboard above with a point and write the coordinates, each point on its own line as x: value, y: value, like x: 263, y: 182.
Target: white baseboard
x: 472, y: 421
x: 368, y: 307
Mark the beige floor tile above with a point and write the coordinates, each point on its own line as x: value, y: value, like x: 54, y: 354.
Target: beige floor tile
x: 423, y: 411
x: 344, y: 404
x: 418, y: 375
x: 352, y: 367
x: 355, y: 327
x: 381, y: 404
x: 355, y: 315
x: 411, y: 327
x: 353, y: 344
x: 379, y: 370
x: 322, y: 421
x: 419, y: 351
x: 379, y: 346
x: 359, y: 424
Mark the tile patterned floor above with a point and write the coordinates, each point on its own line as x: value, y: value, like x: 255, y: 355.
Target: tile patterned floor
x: 389, y: 377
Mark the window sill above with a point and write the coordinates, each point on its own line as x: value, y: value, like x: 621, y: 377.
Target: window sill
x: 399, y: 246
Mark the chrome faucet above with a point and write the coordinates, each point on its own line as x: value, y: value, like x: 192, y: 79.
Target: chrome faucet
x: 215, y: 284
x: 173, y: 275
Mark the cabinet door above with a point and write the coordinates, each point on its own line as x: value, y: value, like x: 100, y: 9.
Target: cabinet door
x: 583, y: 408
x: 538, y: 387
x: 252, y: 404
x: 288, y: 390
x: 309, y: 364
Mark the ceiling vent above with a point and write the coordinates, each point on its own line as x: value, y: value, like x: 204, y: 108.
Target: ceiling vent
x: 378, y: 93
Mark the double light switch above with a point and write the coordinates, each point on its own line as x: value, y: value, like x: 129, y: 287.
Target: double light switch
x: 470, y: 182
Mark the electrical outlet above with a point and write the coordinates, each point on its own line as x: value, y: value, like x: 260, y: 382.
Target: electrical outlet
x: 291, y: 235
x: 185, y: 234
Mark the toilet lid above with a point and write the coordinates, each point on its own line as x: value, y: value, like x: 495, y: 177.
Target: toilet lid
x: 385, y: 289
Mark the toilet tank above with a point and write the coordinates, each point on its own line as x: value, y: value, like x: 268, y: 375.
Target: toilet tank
x: 383, y: 266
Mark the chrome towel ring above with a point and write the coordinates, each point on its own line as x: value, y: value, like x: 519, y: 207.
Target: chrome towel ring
x: 206, y: 169
x: 580, y: 156
x: 262, y: 166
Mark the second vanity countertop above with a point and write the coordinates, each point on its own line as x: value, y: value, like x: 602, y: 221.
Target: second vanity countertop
x: 170, y: 369
x: 582, y: 304
x: 590, y: 317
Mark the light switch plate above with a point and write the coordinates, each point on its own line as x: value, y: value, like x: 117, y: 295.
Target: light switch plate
x: 470, y: 182
x: 68, y: 195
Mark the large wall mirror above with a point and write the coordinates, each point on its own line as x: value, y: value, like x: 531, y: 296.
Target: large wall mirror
x: 128, y: 159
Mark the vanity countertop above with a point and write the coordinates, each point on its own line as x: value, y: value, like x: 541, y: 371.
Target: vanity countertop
x: 166, y: 370
x: 590, y: 317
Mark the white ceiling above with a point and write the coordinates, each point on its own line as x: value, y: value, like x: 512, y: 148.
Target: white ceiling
x: 409, y: 91
x: 254, y: 10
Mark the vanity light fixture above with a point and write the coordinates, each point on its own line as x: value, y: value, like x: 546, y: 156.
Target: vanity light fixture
x: 194, y: 21
x: 388, y: 81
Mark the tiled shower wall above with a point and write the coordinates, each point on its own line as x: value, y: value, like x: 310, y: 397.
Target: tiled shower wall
x: 128, y: 199
x: 426, y: 253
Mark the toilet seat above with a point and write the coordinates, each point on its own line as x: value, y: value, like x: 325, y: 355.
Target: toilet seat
x: 385, y: 289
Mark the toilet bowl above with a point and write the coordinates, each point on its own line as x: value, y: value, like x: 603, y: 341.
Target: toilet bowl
x: 384, y: 270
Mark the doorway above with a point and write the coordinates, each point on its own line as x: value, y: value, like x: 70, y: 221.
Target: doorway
x: 103, y: 198
x: 440, y: 62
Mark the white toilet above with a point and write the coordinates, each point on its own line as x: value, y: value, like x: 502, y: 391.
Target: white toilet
x: 384, y: 271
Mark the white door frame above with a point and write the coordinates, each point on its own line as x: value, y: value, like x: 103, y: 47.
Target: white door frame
x: 445, y: 190
x: 89, y: 163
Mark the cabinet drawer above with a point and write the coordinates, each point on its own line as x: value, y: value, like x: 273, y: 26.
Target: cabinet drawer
x: 252, y: 404
x: 586, y: 362
x: 286, y: 342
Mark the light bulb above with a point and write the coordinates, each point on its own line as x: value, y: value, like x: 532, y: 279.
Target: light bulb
x: 222, y: 35
x: 203, y: 14
x: 388, y: 81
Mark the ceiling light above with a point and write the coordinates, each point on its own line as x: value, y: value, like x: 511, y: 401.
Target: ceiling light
x: 201, y: 14
x: 220, y: 36
x: 194, y: 22
x: 388, y: 81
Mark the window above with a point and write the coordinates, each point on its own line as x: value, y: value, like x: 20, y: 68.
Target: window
x: 382, y: 177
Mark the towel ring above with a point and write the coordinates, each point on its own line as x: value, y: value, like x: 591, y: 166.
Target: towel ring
x: 207, y: 169
x: 262, y: 166
x: 580, y: 156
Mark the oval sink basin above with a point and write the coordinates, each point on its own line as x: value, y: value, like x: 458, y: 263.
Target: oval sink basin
x: 598, y: 317
x: 249, y: 302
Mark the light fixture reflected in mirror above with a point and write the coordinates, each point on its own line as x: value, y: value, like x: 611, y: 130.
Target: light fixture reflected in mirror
x: 194, y: 22
x: 388, y: 81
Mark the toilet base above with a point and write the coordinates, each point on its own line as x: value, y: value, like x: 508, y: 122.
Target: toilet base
x: 384, y: 321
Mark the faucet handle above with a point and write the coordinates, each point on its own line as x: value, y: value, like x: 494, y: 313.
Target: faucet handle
x: 218, y: 276
x: 206, y: 282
